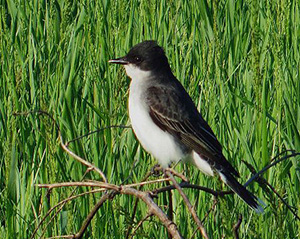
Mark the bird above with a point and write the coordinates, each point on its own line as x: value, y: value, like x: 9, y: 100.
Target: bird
x: 166, y: 121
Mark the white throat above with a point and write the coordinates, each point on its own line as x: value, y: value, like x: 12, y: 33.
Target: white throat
x: 136, y: 73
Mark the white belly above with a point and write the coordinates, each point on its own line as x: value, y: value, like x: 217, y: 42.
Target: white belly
x: 154, y: 140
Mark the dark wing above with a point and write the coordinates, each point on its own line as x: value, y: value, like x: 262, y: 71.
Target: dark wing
x: 181, y: 119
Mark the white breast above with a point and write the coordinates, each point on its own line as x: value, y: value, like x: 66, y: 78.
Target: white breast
x: 157, y: 142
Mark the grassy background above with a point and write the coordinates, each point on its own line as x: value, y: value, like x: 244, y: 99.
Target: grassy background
x: 239, y: 60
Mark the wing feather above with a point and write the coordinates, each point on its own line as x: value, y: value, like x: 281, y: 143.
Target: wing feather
x: 181, y: 119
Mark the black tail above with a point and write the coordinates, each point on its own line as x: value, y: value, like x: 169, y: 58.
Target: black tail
x: 242, y: 192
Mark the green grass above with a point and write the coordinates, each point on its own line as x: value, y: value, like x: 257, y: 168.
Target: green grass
x: 239, y: 60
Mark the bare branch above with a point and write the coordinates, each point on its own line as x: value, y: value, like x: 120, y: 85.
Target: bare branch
x: 155, y: 210
x: 179, y: 175
x: 136, y: 204
x: 85, y: 184
x: 189, y: 205
x: 89, y: 218
x: 81, y: 160
x: 269, y: 166
x: 236, y: 227
x: 96, y: 131
x: 48, y: 213
x: 215, y: 201
x: 262, y: 182
x: 140, y: 223
x: 194, y: 186
x: 147, y: 182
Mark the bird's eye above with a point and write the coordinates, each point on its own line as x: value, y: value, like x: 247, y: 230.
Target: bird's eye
x: 138, y: 59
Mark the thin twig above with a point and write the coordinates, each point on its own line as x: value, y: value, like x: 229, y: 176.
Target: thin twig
x: 96, y: 131
x: 193, y: 186
x: 81, y: 160
x: 49, y: 212
x: 170, y: 208
x: 189, y: 205
x: 85, y: 184
x: 236, y: 227
x: 155, y: 210
x: 140, y: 223
x: 269, y: 166
x: 99, y: 184
x: 135, y: 205
x: 147, y: 182
x: 215, y: 201
x: 260, y: 179
x: 213, y: 206
x: 175, y: 173
x: 95, y: 209
x: 144, y: 196
x: 284, y: 202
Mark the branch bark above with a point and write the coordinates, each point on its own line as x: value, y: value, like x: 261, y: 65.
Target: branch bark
x: 189, y: 205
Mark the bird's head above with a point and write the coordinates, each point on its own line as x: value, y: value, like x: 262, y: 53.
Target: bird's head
x: 143, y: 57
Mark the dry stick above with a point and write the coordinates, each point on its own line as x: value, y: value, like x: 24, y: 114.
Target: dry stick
x: 179, y: 175
x: 282, y: 199
x: 261, y: 180
x: 155, y: 210
x: 135, y: 207
x: 189, y: 205
x: 132, y: 218
x: 89, y: 218
x: 236, y: 227
x: 257, y: 176
x: 170, y: 209
x: 193, y: 186
x: 96, y: 131
x: 73, y: 197
x: 215, y: 201
x: 140, y: 223
x: 64, y: 202
x: 270, y: 165
x: 213, y: 206
x: 81, y: 160
x: 136, y: 204
x: 85, y: 184
x: 87, y: 221
x: 99, y: 184
x: 48, y: 213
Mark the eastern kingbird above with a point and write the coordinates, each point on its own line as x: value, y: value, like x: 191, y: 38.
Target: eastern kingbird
x: 166, y: 121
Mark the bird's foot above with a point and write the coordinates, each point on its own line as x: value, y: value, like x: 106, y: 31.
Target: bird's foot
x: 157, y: 170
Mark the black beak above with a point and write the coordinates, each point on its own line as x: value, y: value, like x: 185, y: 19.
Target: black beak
x: 121, y: 60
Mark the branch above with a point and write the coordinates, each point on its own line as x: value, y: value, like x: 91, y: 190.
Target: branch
x: 96, y: 131
x: 236, y: 227
x: 193, y: 186
x: 263, y: 182
x: 189, y: 205
x: 136, y: 204
x: 255, y: 176
x: 61, y: 204
x: 85, y: 184
x: 155, y: 210
x: 89, y: 218
x: 140, y: 223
